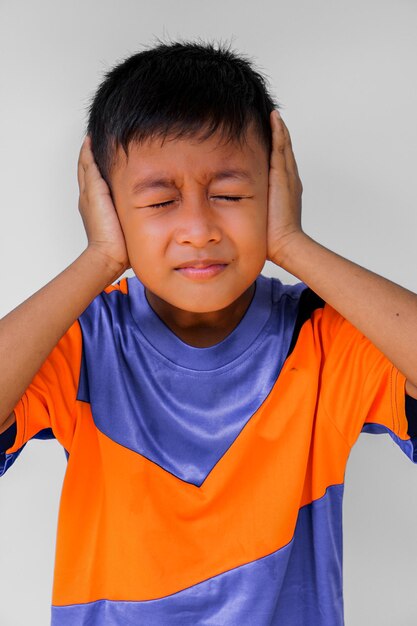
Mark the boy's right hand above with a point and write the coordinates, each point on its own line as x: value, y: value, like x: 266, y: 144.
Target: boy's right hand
x: 98, y: 212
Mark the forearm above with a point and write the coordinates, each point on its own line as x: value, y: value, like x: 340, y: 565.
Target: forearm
x: 382, y: 310
x: 30, y: 331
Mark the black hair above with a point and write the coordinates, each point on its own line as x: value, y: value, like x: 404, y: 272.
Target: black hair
x: 177, y: 89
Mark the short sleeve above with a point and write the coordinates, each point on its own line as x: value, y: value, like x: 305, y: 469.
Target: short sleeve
x: 47, y: 409
x: 362, y: 390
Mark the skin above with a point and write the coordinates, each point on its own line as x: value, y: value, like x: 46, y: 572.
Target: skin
x: 265, y: 226
x: 196, y: 221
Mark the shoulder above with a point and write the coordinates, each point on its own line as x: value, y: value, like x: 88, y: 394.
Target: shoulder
x: 312, y: 319
x: 108, y: 307
x: 121, y: 286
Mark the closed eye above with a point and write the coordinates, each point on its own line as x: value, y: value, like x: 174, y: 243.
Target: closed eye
x: 229, y: 198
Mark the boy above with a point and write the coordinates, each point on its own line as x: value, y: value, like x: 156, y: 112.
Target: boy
x: 207, y: 412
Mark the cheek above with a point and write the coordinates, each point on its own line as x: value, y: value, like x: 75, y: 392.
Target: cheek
x: 258, y: 221
x: 146, y: 244
x: 139, y: 231
x: 257, y: 232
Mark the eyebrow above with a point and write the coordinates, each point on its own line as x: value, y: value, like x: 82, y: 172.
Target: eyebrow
x: 152, y: 182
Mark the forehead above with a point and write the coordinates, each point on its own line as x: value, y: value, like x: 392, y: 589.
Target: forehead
x: 201, y: 156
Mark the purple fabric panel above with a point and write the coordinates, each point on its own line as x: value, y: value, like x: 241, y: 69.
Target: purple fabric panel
x: 7, y: 460
x: 180, y: 406
x: 408, y: 446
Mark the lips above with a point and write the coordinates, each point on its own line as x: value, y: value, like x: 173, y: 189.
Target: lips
x: 202, y: 273
x: 201, y: 263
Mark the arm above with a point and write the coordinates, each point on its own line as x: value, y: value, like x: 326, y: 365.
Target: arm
x: 382, y: 310
x: 379, y: 308
x: 30, y: 331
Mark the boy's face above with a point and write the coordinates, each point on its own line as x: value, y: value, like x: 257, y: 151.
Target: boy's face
x: 196, y: 222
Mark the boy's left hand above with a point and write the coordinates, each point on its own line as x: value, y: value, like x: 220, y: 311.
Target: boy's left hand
x: 284, y: 192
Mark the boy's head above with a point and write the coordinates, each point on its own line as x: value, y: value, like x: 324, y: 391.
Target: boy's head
x: 182, y: 114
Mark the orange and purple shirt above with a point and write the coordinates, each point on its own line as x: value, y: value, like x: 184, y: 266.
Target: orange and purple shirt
x: 205, y: 485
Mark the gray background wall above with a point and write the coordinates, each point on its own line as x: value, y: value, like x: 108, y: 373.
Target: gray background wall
x: 346, y: 75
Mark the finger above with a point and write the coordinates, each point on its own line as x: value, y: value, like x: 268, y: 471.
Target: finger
x: 278, y: 155
x: 80, y: 176
x: 83, y: 162
x: 291, y: 163
x: 88, y: 164
x: 86, y: 154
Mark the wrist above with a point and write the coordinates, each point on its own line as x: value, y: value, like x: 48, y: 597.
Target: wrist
x: 289, y: 250
x: 108, y: 266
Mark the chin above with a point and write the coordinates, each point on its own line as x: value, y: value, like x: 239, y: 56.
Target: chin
x: 208, y: 304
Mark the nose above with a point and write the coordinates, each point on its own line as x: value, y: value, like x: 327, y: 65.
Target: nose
x: 197, y: 223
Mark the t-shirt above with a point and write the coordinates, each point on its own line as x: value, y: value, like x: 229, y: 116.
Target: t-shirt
x: 204, y: 486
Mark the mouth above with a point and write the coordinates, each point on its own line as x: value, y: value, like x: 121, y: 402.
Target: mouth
x: 207, y: 271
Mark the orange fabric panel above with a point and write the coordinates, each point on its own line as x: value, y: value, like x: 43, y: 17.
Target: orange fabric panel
x: 49, y: 400
x: 129, y: 530
x: 359, y: 383
x: 120, y: 286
